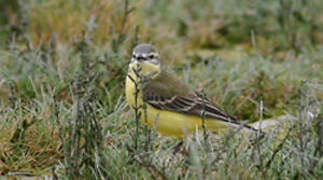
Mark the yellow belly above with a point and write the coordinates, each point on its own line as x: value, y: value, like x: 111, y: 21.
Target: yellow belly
x: 178, y: 124
x: 170, y: 123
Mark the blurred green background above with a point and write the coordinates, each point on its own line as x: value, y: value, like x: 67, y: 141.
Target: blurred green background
x: 247, y: 55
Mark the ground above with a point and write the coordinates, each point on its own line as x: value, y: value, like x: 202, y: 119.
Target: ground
x: 62, y: 70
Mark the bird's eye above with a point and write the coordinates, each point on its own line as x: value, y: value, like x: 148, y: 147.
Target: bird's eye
x: 134, y: 56
x: 151, y: 56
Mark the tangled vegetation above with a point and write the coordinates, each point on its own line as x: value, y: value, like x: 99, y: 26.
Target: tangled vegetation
x: 62, y: 70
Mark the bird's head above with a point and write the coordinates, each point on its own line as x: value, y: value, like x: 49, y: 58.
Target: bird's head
x: 146, y: 58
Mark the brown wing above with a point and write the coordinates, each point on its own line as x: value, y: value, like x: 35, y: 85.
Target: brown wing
x: 177, y: 97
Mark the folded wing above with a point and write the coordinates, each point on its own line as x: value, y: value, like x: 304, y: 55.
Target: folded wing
x: 175, y: 96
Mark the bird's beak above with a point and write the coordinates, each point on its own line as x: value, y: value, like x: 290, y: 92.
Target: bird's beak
x: 134, y: 61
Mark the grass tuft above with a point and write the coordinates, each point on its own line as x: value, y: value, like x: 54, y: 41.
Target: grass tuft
x: 62, y: 70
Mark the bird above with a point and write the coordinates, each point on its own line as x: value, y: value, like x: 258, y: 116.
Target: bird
x: 166, y: 104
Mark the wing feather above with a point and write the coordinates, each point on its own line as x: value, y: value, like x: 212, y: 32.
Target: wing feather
x: 177, y: 97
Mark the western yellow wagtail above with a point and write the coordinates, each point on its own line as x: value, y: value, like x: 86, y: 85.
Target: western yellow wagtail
x: 167, y: 103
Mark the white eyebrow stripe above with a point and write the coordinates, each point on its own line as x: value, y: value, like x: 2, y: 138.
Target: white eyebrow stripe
x: 154, y: 54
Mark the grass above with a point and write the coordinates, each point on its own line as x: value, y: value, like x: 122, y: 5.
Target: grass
x: 63, y: 66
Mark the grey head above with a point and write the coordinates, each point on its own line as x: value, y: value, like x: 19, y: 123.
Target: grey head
x: 145, y: 53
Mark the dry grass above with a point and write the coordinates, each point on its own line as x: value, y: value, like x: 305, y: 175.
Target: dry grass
x: 62, y: 72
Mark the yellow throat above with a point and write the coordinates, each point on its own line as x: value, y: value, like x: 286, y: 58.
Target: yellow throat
x: 144, y: 70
